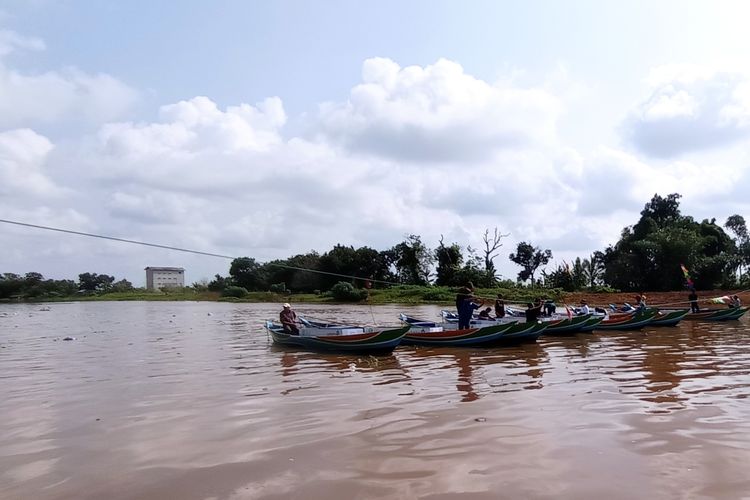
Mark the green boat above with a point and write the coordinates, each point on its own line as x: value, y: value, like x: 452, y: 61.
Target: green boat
x: 669, y: 318
x: 628, y: 321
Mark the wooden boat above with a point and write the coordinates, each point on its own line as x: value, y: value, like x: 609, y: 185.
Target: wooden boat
x: 669, y: 318
x: 354, y: 339
x: 524, y: 332
x: 591, y: 324
x: 566, y: 326
x: 556, y: 325
x: 445, y: 334
x: 717, y: 314
x: 738, y: 312
x: 628, y: 321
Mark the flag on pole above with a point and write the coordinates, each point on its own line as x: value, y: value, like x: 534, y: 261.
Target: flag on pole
x: 686, y: 274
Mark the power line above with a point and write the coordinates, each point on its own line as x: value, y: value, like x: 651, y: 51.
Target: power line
x: 187, y: 250
x: 123, y: 240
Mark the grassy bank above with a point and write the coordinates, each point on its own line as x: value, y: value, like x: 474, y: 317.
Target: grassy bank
x: 396, y: 295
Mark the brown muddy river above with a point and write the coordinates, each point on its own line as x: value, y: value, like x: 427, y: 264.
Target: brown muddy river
x: 191, y: 401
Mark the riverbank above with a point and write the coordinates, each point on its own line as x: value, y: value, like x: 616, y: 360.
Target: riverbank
x: 402, y: 295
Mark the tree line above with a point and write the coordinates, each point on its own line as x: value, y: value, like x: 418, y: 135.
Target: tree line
x: 648, y: 256
x: 33, y: 285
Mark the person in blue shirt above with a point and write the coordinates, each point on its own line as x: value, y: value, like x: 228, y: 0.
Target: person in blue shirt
x: 466, y: 310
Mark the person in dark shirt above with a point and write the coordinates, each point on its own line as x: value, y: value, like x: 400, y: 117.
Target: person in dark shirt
x: 549, y: 307
x: 499, y: 306
x: 533, y: 312
x: 466, y: 309
x: 485, y: 313
x: 464, y: 292
x: 693, y: 298
x: 288, y: 320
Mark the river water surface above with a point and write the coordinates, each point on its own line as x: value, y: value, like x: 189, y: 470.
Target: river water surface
x: 166, y: 400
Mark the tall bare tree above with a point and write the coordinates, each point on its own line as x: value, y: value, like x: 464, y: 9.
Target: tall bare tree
x: 491, y: 245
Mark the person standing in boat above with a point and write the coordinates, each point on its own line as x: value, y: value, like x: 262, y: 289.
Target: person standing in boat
x: 693, y: 298
x: 549, y: 307
x: 584, y: 309
x: 466, y: 310
x: 463, y: 293
x: 499, y: 306
x: 533, y: 311
x: 640, y: 303
x: 288, y: 320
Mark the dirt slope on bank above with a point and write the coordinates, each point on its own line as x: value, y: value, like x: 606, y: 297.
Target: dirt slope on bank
x: 674, y: 299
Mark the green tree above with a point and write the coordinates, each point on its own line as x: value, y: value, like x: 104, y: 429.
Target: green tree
x: 449, y: 260
x: 413, y: 260
x: 736, y: 224
x: 219, y: 283
x: 93, y: 282
x: 297, y: 272
x: 247, y: 273
x: 365, y: 263
x: 648, y: 254
x: 472, y: 270
x: 529, y: 258
x: 122, y: 286
x: 593, y: 269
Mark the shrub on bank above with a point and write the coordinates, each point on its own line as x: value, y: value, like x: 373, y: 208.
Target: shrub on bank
x: 234, y: 291
x: 345, y: 292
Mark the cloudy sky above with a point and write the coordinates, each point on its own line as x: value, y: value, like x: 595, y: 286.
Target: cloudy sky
x: 272, y: 128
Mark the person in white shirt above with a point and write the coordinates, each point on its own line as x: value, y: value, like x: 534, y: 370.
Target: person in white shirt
x: 584, y: 309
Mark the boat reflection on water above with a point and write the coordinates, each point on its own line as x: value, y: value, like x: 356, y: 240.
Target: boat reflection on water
x: 479, y: 372
x: 296, y: 362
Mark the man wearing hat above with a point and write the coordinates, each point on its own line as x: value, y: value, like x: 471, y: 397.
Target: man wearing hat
x: 584, y: 309
x: 288, y: 320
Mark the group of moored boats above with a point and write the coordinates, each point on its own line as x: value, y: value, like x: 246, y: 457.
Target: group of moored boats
x: 511, y: 329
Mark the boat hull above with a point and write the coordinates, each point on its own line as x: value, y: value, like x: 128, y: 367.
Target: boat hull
x: 628, y: 321
x: 717, y: 314
x: 522, y: 333
x: 376, y: 342
x: 669, y: 318
x: 466, y: 337
x: 567, y: 326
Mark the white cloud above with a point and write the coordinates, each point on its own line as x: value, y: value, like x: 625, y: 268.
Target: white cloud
x: 22, y: 156
x: 691, y: 108
x: 198, y: 126
x: 437, y: 113
x: 11, y: 41
x: 425, y: 150
x: 67, y: 96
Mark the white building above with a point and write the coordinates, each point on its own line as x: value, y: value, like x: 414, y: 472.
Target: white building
x: 163, y: 277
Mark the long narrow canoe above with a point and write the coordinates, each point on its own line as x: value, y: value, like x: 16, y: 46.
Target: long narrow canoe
x: 628, y: 321
x: 378, y: 341
x: 566, y: 326
x: 435, y: 336
x: 524, y: 332
x: 717, y: 314
x: 558, y: 326
x: 738, y: 312
x: 445, y: 334
x: 669, y: 318
x: 591, y: 324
